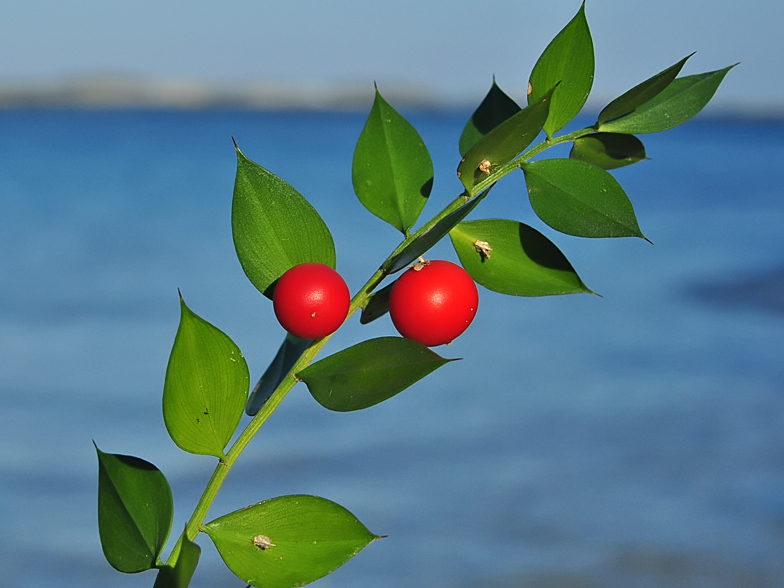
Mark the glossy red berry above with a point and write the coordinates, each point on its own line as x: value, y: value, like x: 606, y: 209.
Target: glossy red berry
x: 433, y: 302
x: 311, y: 300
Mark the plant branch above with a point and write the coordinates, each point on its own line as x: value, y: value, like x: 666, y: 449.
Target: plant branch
x: 196, y: 521
x: 527, y: 155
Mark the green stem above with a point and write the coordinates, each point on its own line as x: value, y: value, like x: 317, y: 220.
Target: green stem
x: 527, y: 155
x: 222, y: 470
x: 196, y: 521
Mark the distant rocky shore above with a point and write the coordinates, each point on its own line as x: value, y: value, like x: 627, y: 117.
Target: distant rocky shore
x: 128, y: 92
x: 117, y: 91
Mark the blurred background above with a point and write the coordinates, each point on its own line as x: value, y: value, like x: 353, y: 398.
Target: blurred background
x: 632, y: 440
x: 306, y: 52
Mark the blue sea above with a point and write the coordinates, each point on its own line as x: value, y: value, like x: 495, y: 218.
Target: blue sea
x: 632, y: 440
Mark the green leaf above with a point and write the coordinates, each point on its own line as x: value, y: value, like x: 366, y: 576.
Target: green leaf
x: 641, y: 93
x: 274, y: 227
x: 676, y: 104
x: 206, y: 386
x: 392, y: 171
x: 608, y: 150
x: 512, y: 258
x: 369, y: 372
x: 569, y: 62
x: 288, y: 541
x: 422, y: 243
x: 135, y: 510
x: 503, y: 143
x: 376, y: 305
x: 289, y: 353
x: 578, y: 198
x: 179, y: 576
x: 494, y: 109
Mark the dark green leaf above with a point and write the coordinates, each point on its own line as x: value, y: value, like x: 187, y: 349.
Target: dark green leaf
x: 392, y: 171
x: 503, y: 143
x: 179, y: 576
x: 569, y: 62
x: 376, y: 305
x: 578, y: 198
x: 425, y: 241
x: 641, y: 93
x: 274, y: 227
x: 369, y: 372
x: 206, y: 386
x: 186, y: 563
x: 288, y: 541
x: 608, y: 150
x: 676, y: 104
x: 135, y: 511
x: 494, y: 109
x: 289, y: 353
x: 512, y: 258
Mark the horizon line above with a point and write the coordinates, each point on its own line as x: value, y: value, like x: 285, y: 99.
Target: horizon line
x: 118, y: 91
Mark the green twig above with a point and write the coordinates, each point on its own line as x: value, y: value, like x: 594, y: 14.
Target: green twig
x: 527, y: 155
x: 196, y: 521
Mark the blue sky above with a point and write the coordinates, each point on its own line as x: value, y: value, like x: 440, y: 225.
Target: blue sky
x: 450, y: 49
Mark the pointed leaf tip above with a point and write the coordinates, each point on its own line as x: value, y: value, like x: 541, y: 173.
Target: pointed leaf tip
x: 682, y: 99
x: 512, y: 258
x: 494, y: 109
x: 135, y: 510
x: 368, y: 373
x: 640, y: 94
x: 568, y: 60
x: 205, y: 388
x: 581, y: 199
x: 504, y: 142
x: 274, y: 227
x: 392, y: 172
x: 288, y: 541
x: 187, y: 558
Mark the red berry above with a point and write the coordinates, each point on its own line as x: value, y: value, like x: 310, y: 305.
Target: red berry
x: 434, y: 302
x: 311, y: 300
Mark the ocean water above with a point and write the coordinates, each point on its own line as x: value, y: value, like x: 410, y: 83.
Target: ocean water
x: 630, y: 440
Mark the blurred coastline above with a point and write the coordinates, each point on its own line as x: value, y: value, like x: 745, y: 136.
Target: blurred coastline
x: 117, y: 91
x: 111, y: 91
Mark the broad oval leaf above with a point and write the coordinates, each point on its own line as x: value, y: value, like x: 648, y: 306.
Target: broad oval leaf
x: 135, y: 510
x: 608, y: 150
x: 288, y: 354
x: 288, y: 541
x: 512, y: 258
x: 368, y: 373
x: 376, y: 305
x: 496, y: 107
x: 578, y: 198
x: 676, y: 104
x: 392, y: 171
x: 206, y: 386
x: 569, y: 62
x: 274, y: 227
x: 422, y: 243
x: 179, y: 575
x: 641, y: 93
x: 503, y: 143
